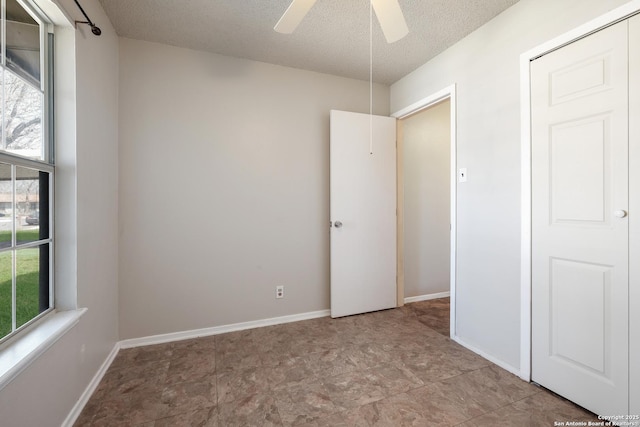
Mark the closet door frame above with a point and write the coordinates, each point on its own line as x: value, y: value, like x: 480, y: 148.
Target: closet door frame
x: 634, y: 206
x: 619, y: 14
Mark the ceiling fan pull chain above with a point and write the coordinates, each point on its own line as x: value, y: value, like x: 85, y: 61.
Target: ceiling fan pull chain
x: 370, y: 77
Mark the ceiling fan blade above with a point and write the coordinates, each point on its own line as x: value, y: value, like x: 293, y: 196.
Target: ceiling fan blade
x: 293, y: 16
x: 391, y: 19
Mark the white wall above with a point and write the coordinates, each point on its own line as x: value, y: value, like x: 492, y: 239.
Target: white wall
x: 97, y: 181
x: 86, y: 209
x: 485, y: 68
x: 224, y: 187
x: 427, y: 188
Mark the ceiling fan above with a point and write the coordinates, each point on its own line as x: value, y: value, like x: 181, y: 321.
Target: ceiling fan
x: 388, y: 12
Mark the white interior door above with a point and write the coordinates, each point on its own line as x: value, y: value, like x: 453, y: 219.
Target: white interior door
x: 580, y: 196
x: 363, y: 213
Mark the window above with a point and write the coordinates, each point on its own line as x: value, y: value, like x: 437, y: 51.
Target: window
x: 26, y: 168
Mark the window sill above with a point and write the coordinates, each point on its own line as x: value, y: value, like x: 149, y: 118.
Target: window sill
x: 19, y: 354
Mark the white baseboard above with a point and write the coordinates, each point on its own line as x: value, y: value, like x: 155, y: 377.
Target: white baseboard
x: 503, y: 365
x: 177, y: 336
x: 95, y: 381
x: 427, y: 297
x: 204, y: 332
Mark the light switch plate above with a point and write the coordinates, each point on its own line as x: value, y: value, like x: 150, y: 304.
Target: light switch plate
x: 462, y: 175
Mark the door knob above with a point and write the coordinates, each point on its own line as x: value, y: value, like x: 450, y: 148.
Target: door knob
x: 620, y: 213
x: 338, y: 224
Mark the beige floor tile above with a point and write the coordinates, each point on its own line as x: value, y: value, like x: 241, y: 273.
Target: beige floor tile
x: 354, y: 388
x: 399, y: 410
x: 204, y: 345
x: 335, y: 361
x: 395, y: 378
x: 547, y: 402
x: 133, y: 380
x: 298, y: 405
x: 134, y: 410
x: 437, y: 324
x: 239, y: 360
x: 460, y: 357
x: 207, y: 417
x: 256, y: 410
x: 486, y: 389
x: 368, y: 355
x: 289, y: 371
x: 187, y: 397
x: 237, y: 384
x: 391, y: 368
x: 349, y: 418
x: 445, y: 405
x: 148, y: 353
x: 436, y: 307
x: 539, y: 410
x: 509, y: 385
x: 192, y: 367
x: 427, y: 366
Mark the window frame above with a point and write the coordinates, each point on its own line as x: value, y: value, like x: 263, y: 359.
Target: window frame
x: 47, y: 164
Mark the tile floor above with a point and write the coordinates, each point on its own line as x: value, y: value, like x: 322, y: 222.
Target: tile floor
x: 390, y: 368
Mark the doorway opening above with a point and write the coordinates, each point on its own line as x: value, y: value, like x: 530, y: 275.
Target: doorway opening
x: 426, y: 191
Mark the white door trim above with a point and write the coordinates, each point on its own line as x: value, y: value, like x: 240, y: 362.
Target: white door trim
x: 621, y: 13
x: 448, y: 92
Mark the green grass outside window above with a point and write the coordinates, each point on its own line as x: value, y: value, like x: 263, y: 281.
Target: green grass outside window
x: 27, y: 287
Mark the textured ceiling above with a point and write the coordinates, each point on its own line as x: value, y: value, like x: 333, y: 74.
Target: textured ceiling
x: 333, y: 38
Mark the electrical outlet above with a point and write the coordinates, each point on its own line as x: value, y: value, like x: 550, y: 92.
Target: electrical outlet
x: 279, y: 292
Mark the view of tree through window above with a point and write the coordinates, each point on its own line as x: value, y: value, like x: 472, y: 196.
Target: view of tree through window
x: 25, y: 172
x: 21, y: 84
x: 22, y: 124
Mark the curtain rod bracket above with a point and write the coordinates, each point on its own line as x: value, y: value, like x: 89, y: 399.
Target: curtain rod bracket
x: 94, y: 28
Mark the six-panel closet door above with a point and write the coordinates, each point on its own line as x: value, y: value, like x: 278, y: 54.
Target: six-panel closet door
x: 582, y: 98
